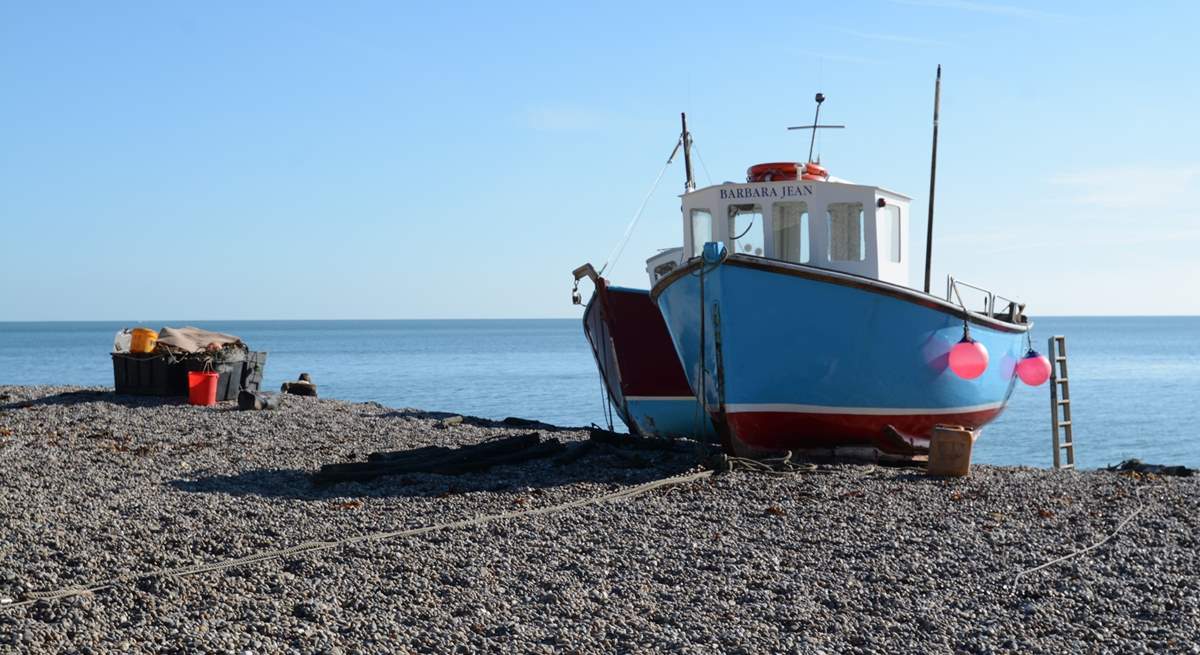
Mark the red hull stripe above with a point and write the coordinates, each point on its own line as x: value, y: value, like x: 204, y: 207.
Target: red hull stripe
x: 857, y: 411
x: 773, y: 430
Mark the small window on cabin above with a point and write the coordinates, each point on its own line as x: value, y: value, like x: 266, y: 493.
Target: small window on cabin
x: 701, y: 230
x: 891, y: 218
x: 791, y: 231
x: 847, y: 238
x: 745, y: 229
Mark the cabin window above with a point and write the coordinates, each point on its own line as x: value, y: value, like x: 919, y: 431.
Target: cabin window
x: 847, y: 239
x: 791, y: 231
x: 891, y: 217
x: 701, y: 230
x: 745, y: 231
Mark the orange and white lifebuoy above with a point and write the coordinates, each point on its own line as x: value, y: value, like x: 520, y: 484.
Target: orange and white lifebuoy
x: 786, y: 170
x: 773, y: 172
x: 814, y: 172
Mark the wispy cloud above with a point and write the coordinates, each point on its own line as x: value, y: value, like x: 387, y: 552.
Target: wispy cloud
x: 827, y: 56
x: 1132, y: 186
x: 566, y: 118
x: 894, y: 38
x: 985, y: 8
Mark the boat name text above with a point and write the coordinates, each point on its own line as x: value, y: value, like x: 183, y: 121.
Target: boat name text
x: 767, y: 192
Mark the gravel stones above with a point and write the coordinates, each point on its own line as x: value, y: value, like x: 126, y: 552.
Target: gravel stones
x: 843, y: 559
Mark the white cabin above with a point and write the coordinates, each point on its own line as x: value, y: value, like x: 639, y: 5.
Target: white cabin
x: 834, y: 225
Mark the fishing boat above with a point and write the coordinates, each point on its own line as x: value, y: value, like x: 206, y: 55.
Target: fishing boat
x: 790, y: 309
x: 643, y: 381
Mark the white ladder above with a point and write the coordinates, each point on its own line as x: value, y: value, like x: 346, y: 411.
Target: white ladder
x: 1060, y: 404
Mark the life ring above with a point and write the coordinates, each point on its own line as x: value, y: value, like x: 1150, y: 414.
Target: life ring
x: 814, y: 172
x: 773, y: 172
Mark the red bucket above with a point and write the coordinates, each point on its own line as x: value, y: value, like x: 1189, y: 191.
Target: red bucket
x: 202, y: 387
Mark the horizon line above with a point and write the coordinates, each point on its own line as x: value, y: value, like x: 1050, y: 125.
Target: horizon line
x: 499, y: 318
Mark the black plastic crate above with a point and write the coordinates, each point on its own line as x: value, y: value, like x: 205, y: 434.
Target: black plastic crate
x: 148, y: 376
x: 160, y: 376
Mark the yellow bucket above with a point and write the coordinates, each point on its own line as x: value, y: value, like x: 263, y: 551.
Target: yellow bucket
x: 143, y: 340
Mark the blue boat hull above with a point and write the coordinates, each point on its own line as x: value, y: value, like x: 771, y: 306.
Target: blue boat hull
x: 789, y: 357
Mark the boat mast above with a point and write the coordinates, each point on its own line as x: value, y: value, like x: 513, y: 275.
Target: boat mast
x: 937, y: 99
x: 686, y: 140
x: 816, y: 123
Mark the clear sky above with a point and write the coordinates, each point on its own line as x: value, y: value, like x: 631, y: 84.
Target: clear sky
x: 440, y: 160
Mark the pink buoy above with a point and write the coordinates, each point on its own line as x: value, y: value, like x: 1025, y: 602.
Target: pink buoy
x: 968, y: 358
x: 1034, y: 368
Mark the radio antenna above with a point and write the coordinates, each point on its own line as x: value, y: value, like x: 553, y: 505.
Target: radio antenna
x: 937, y: 100
x: 816, y: 126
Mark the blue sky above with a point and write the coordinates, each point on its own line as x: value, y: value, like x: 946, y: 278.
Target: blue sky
x: 385, y: 160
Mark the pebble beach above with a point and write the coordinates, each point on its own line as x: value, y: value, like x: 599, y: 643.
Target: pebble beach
x: 835, y: 559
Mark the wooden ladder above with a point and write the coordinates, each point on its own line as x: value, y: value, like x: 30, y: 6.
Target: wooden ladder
x: 1060, y: 404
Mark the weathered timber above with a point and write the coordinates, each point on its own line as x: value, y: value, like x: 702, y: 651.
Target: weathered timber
x: 544, y: 449
x: 452, y: 462
x: 397, y: 455
x: 634, y: 442
x: 574, y: 451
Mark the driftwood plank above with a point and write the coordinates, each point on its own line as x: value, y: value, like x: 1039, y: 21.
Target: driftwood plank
x: 445, y: 461
x: 631, y: 441
x: 573, y: 452
x: 397, y: 455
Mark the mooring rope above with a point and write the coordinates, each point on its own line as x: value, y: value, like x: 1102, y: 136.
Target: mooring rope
x: 315, y: 546
x: 1115, y: 532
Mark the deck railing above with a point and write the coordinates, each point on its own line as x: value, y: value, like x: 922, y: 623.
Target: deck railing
x: 989, y: 298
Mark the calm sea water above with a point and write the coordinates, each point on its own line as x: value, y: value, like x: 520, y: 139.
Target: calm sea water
x: 1135, y: 382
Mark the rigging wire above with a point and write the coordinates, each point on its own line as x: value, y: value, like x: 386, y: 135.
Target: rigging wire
x: 620, y: 247
x: 702, y: 164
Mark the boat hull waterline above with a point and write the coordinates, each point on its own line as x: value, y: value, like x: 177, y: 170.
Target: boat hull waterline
x: 791, y: 357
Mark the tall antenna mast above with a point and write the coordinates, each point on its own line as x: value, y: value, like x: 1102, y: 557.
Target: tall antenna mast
x: 815, y: 126
x: 816, y: 121
x: 686, y: 140
x: 937, y: 100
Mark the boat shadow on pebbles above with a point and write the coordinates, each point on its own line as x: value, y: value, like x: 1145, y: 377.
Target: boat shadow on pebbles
x: 600, y: 465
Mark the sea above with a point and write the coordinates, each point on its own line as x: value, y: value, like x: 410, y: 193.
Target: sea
x: 1135, y: 381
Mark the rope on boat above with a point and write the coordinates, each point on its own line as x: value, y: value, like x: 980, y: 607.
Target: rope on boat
x: 315, y: 546
x: 620, y: 247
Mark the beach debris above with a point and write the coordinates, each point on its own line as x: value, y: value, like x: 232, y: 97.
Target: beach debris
x: 1138, y: 466
x: 302, y: 387
x: 515, y: 422
x: 450, y: 420
x: 574, y: 451
x: 443, y: 461
x: 256, y: 400
x: 633, y: 442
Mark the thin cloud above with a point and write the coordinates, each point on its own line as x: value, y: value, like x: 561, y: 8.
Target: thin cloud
x: 894, y: 38
x: 850, y: 59
x: 565, y: 118
x: 985, y: 8
x: 1128, y: 187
